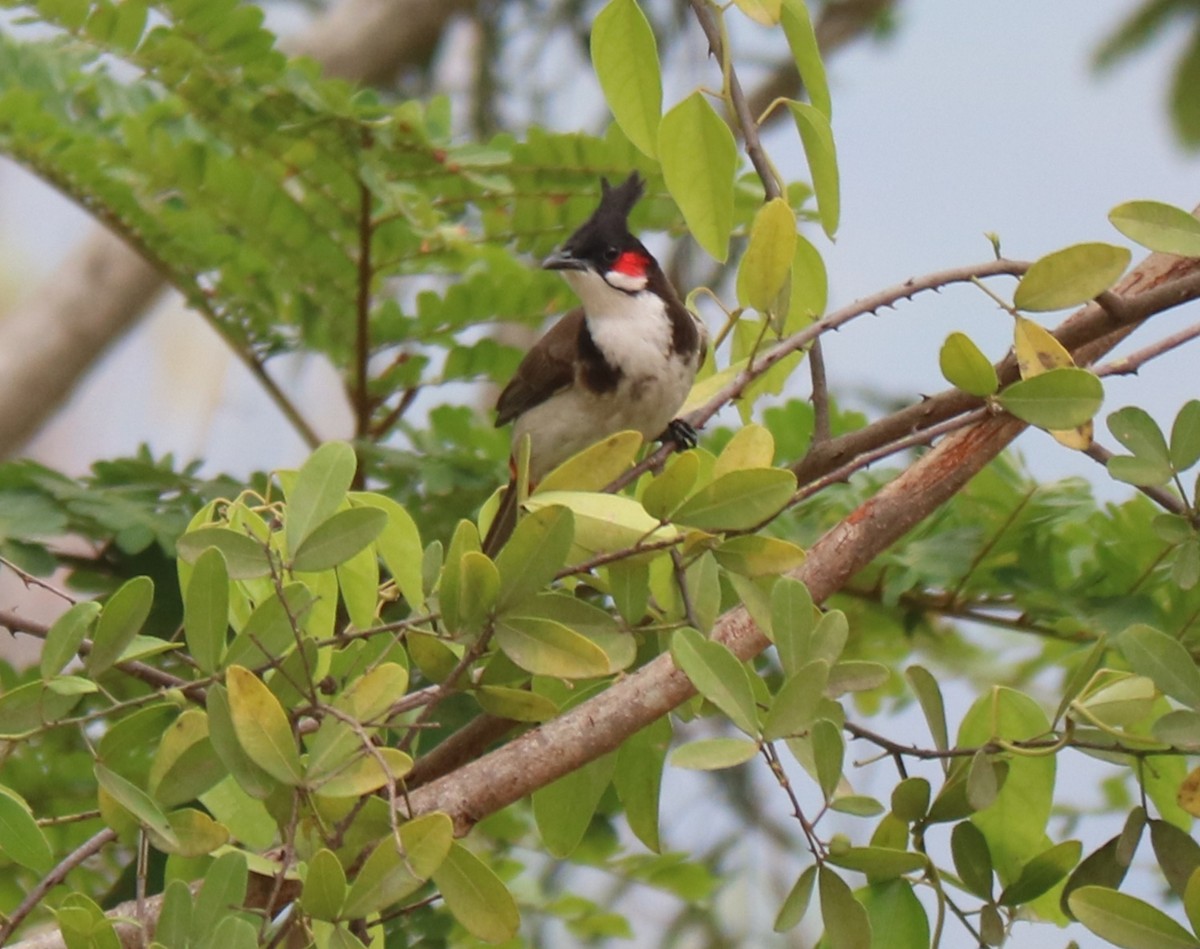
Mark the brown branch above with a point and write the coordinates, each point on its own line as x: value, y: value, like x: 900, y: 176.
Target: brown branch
x: 1161, y: 282
x: 89, y: 848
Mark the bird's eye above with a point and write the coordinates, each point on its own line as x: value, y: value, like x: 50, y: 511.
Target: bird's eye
x: 611, y: 254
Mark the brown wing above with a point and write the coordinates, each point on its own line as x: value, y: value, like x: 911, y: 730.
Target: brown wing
x: 547, y: 368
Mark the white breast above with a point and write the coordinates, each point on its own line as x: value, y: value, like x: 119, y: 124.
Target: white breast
x: 634, y: 333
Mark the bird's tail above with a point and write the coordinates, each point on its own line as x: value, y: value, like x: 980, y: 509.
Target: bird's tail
x: 504, y: 521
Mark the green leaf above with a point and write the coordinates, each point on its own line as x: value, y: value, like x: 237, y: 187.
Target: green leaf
x: 625, y: 57
x: 66, y: 636
x: 795, y: 705
x: 520, y: 705
x: 829, y: 750
x: 795, y: 904
x: 563, y: 809
x: 399, y: 544
x: 893, y: 908
x: 361, y: 775
x: 798, y: 28
x: 476, y: 896
x: 224, y: 888
x: 1041, y: 873
x: 1177, y: 853
x: 535, y: 552
x: 846, y: 923
x: 668, y: 490
x: 983, y: 784
x: 269, y: 634
x: 185, y: 765
x: 910, y: 799
x: 338, y: 538
x: 206, y: 610
x: 858, y: 805
x: 718, y: 676
x: 175, y: 918
x: 120, y: 621
x: 318, y: 491
x: 817, y: 136
x: 1163, y: 660
x: 478, y: 590
x: 1015, y: 823
x: 1191, y: 900
x: 699, y: 159
x: 1071, y: 276
x: 965, y: 367
x: 603, y: 522
x: 1102, y: 867
x: 324, y: 888
x: 262, y: 726
x: 752, y: 446
x: 391, y: 873
x: 1126, y: 921
x: 596, y: 466
x: 1082, y: 675
x: 792, y: 622
x: 1180, y: 728
x: 713, y: 754
x: 763, y: 273
x: 753, y: 555
x: 21, y: 840
x: 762, y: 12
x: 739, y: 500
x: 638, y: 778
x: 1157, y: 226
x: 1136, y: 429
x: 1185, y: 436
x: 1056, y: 399
x: 245, y: 557
x: 546, y: 647
x: 196, y: 834
x: 929, y: 695
x: 136, y: 801
x: 972, y: 859
x: 856, y: 675
x: 879, y: 863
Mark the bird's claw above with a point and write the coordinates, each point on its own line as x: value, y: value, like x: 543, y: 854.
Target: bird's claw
x: 682, y: 433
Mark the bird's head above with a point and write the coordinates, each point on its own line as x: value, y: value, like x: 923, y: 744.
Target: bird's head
x: 603, y: 249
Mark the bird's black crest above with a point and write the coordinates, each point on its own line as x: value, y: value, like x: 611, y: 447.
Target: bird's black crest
x: 619, y: 201
x: 609, y: 222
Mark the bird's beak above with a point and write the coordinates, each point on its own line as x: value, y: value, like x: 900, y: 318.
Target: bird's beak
x: 563, y: 260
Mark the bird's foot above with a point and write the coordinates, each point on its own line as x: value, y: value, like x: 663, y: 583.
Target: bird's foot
x: 682, y: 433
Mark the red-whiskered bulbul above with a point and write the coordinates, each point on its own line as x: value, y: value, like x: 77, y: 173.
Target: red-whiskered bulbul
x: 624, y: 360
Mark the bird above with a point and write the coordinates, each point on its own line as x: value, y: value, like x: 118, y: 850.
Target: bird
x: 625, y: 359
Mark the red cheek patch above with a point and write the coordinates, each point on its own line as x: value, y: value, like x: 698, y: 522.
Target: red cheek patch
x: 631, y: 263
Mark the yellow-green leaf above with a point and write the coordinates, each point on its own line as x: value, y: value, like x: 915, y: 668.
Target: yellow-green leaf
x: 476, y: 896
x: 965, y: 367
x: 596, y: 466
x: 1158, y: 226
x: 699, y: 159
x: 319, y: 488
x: 739, y: 500
x: 817, y: 136
x: 1070, y: 276
x: 262, y: 726
x: 1056, y: 399
x: 763, y: 273
x: 120, y: 620
x: 625, y: 57
x: 545, y: 647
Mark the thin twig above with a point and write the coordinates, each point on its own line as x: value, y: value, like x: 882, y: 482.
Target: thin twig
x: 89, y: 848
